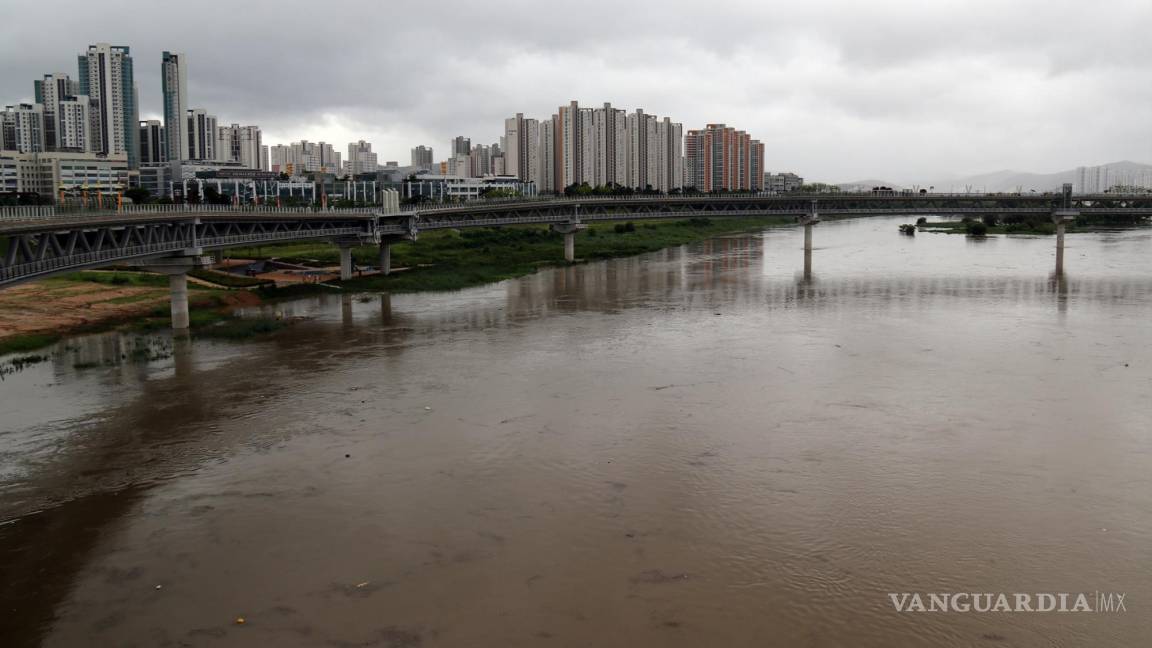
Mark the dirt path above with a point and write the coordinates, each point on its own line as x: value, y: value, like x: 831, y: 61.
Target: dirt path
x: 60, y: 305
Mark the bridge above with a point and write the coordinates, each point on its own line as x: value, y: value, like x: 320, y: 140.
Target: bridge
x: 38, y: 242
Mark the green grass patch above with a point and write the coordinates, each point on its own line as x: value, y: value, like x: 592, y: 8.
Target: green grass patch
x: 27, y: 342
x: 449, y: 260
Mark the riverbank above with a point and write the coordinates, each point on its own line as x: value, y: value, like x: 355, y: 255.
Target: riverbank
x: 36, y: 315
x: 1036, y: 226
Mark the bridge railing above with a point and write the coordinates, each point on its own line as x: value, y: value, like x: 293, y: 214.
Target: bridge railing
x: 44, y: 212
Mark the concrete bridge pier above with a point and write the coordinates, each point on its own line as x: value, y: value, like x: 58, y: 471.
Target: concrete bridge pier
x: 1061, y: 218
x: 177, y: 270
x: 569, y: 231
x: 808, y: 220
x: 385, y: 257
x: 345, y: 262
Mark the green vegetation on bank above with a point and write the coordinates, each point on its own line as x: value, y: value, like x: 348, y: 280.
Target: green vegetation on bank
x: 1030, y: 224
x: 439, y: 260
x: 27, y: 342
x: 453, y: 259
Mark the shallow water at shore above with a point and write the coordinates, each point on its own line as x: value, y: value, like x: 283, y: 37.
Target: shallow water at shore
x: 699, y: 446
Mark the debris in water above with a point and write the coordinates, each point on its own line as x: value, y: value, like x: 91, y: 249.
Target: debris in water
x: 362, y: 585
x: 427, y: 409
x: 240, y: 621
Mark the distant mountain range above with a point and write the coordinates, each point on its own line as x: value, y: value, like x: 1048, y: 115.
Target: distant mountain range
x: 1124, y: 172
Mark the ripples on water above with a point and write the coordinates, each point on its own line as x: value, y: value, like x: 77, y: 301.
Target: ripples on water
x: 701, y: 446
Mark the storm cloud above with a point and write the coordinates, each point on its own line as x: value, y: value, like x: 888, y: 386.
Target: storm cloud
x: 837, y: 90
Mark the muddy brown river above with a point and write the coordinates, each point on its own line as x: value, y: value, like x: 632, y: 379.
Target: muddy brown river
x: 696, y: 447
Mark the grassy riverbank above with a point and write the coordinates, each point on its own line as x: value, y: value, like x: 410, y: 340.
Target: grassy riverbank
x: 451, y: 259
x: 1035, y: 225
x: 36, y: 315
x: 88, y: 302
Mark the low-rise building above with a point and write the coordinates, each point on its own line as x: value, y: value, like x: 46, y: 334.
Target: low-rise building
x: 441, y: 187
x: 782, y: 182
x: 54, y: 173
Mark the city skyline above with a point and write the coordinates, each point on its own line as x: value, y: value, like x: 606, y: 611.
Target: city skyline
x: 829, y: 89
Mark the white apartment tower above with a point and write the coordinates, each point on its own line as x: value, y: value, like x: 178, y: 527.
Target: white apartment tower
x: 361, y: 159
x: 611, y: 159
x: 240, y: 144
x: 50, y: 92
x: 23, y: 128
x: 106, y: 77
x: 522, y: 148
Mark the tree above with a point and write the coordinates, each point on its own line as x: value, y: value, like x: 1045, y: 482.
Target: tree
x: 138, y: 195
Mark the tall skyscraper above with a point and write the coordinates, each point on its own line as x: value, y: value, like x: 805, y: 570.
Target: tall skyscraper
x: 153, y: 144
x: 174, y: 83
x: 422, y: 157
x: 201, y: 129
x: 106, y: 77
x: 611, y: 161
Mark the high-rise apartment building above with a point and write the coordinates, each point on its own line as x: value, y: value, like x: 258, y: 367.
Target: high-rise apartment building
x: 547, y: 156
x: 722, y: 158
x: 302, y: 157
x: 669, y: 155
x: 240, y: 144
x: 422, y: 157
x: 106, y: 77
x: 611, y: 159
x: 601, y: 147
x: 201, y: 133
x: 73, y: 122
x: 460, y: 145
x: 521, y: 150
x: 50, y: 92
x: 22, y: 128
x: 153, y: 142
x: 174, y: 84
x: 361, y: 159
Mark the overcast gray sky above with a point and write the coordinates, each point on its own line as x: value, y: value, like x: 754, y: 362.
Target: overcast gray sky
x: 838, y: 90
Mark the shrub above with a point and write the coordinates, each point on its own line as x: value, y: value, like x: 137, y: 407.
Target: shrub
x: 921, y: 221
x: 966, y: 219
x: 977, y: 229
x: 990, y: 220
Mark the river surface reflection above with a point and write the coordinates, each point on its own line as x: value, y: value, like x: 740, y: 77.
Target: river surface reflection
x: 702, y: 446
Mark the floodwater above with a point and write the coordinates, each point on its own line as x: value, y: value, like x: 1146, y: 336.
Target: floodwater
x: 696, y: 447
